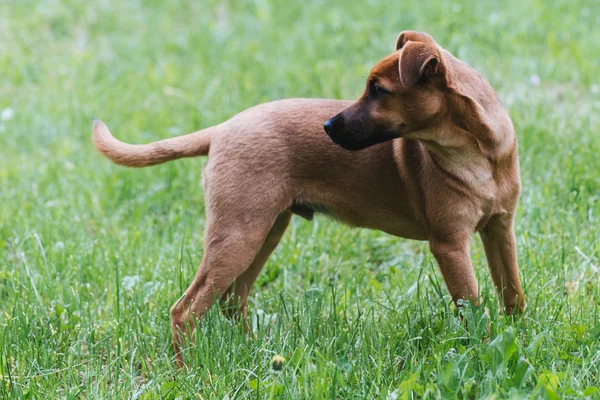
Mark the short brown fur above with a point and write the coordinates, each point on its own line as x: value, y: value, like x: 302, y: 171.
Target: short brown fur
x: 438, y: 161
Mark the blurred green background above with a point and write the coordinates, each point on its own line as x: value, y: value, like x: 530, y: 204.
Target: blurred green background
x: 92, y: 255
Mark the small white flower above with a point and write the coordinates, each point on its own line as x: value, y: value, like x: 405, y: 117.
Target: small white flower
x: 7, y: 113
x: 450, y: 354
x: 534, y: 80
x: 130, y: 281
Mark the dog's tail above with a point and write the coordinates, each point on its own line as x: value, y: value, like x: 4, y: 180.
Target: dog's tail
x: 144, y: 155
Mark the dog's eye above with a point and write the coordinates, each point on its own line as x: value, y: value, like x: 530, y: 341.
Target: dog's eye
x: 377, y: 90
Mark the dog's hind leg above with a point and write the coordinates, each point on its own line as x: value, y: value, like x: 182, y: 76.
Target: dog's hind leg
x: 238, y: 222
x: 229, y: 251
x: 235, y: 300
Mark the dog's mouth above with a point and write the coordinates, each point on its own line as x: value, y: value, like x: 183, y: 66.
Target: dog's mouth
x: 347, y: 142
x: 352, y: 140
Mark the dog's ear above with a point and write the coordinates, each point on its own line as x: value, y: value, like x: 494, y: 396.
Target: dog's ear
x: 413, y: 36
x: 418, y: 60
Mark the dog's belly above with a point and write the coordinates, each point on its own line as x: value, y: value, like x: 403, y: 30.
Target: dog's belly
x: 386, y: 220
x: 392, y: 223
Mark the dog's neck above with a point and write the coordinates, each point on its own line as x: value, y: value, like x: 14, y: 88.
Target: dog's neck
x: 458, y: 154
x: 466, y: 164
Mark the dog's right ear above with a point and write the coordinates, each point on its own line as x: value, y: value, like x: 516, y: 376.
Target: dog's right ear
x: 418, y: 60
x: 413, y: 36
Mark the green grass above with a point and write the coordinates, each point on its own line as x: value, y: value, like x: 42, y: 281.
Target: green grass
x: 92, y: 255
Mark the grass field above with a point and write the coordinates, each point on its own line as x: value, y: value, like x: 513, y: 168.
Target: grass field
x: 92, y: 255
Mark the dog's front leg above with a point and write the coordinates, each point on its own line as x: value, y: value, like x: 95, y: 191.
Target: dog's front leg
x: 500, y: 249
x: 452, y: 255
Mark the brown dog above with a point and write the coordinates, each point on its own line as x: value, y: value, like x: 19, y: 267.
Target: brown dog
x: 438, y: 161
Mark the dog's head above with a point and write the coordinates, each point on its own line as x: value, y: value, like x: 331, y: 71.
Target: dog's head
x: 406, y: 93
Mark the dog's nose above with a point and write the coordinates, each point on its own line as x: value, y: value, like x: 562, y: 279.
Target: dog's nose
x: 327, y: 126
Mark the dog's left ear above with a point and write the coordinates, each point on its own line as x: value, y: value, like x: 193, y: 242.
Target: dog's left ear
x: 418, y: 60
